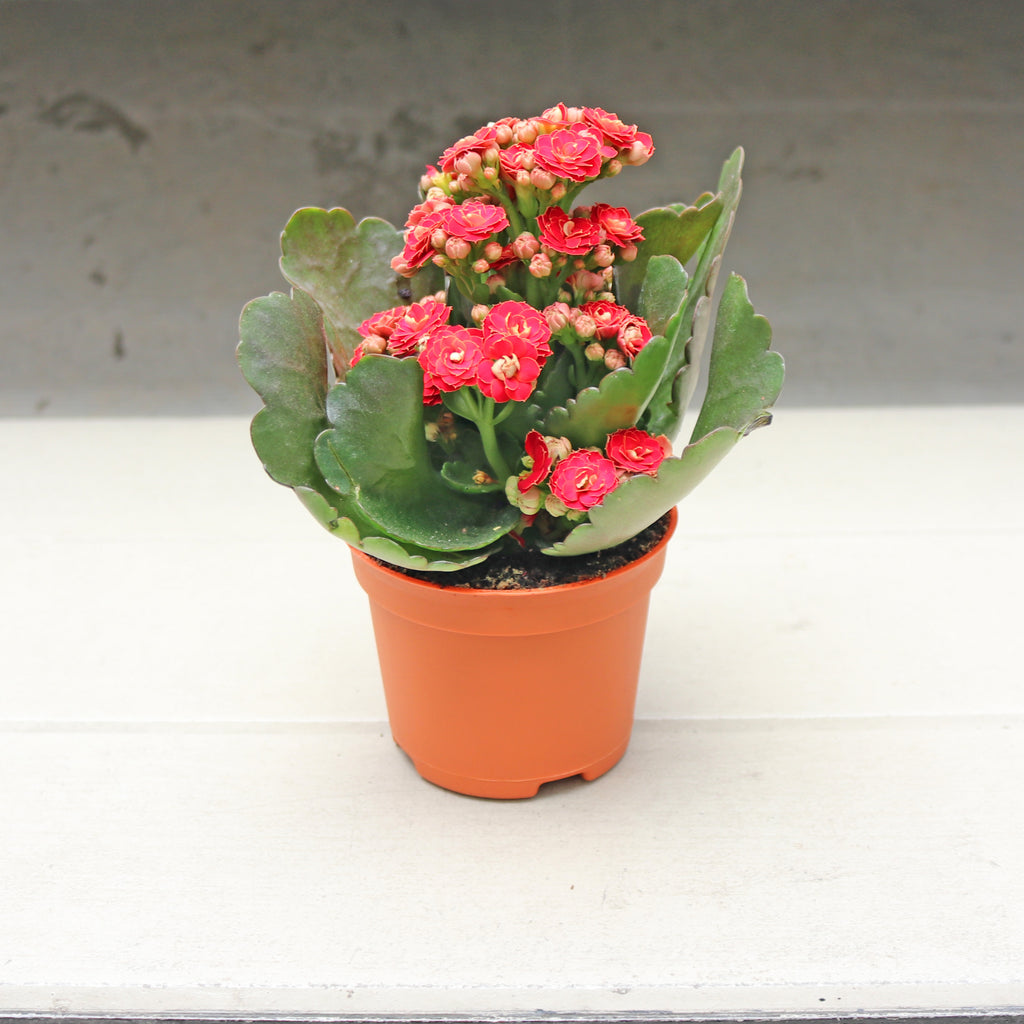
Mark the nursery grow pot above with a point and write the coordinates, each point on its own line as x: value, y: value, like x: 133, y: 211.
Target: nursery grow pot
x: 494, y: 692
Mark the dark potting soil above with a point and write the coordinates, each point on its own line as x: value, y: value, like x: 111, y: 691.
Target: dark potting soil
x: 528, y: 569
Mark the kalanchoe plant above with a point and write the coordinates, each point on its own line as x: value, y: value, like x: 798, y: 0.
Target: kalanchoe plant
x: 515, y: 366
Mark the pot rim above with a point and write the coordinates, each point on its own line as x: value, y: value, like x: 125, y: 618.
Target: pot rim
x: 512, y: 612
x: 486, y: 592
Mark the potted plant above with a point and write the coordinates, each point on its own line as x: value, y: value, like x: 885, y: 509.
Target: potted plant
x: 491, y: 399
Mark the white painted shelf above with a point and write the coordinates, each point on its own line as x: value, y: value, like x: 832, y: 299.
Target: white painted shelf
x: 820, y: 812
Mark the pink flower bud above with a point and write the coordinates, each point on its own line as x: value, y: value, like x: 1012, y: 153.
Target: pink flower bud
x: 526, y: 246
x: 491, y: 173
x: 493, y: 252
x: 481, y: 266
x: 603, y: 256
x: 559, y: 447
x: 376, y: 344
x: 401, y: 267
x: 503, y: 134
x: 584, y: 325
x: 540, y: 265
x: 594, y: 352
x: 479, y: 312
x: 528, y: 502
x: 457, y: 248
x: 612, y: 168
x: 614, y: 359
x: 542, y: 179
x: 467, y: 163
x: 438, y: 237
x: 527, y: 133
x: 554, y: 507
x: 558, y: 191
x: 558, y: 316
x: 638, y: 154
x: 628, y: 253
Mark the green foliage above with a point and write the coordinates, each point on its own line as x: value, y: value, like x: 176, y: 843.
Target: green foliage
x: 743, y: 382
x: 346, y: 268
x: 744, y: 377
x: 375, y: 453
x: 618, y: 401
x: 424, y: 487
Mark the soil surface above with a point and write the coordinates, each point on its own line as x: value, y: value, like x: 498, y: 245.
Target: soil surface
x: 528, y: 569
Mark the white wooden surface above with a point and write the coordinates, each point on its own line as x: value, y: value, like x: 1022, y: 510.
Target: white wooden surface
x: 821, y: 810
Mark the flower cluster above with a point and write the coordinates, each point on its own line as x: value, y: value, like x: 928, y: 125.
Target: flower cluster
x: 544, y: 352
x: 536, y: 274
x: 571, y: 481
x: 497, y: 209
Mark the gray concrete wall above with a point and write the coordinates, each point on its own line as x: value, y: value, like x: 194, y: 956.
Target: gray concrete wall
x: 151, y: 152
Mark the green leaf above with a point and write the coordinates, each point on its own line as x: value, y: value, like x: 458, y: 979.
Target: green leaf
x: 283, y: 355
x: 744, y: 377
x: 618, y: 401
x: 346, y: 268
x: 376, y: 452
x: 641, y: 500
x: 669, y: 404
x: 662, y: 295
x: 668, y: 231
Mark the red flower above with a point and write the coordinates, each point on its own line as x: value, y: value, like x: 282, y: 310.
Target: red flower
x: 514, y: 159
x: 582, y: 479
x: 418, y: 246
x: 382, y: 324
x: 413, y: 323
x: 633, y: 335
x: 518, y: 320
x: 509, y: 370
x: 608, y: 316
x: 614, y: 132
x: 635, y: 451
x: 575, y: 153
x: 574, y: 236
x: 537, y: 449
x: 449, y: 358
x: 616, y: 224
x: 475, y: 220
x: 479, y: 142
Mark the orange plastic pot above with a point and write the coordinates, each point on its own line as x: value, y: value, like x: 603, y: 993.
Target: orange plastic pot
x: 494, y: 692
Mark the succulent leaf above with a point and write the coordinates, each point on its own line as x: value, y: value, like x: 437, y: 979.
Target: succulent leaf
x: 669, y: 404
x: 675, y: 231
x: 642, y: 500
x: 283, y: 355
x: 616, y: 402
x: 744, y: 377
x: 346, y: 268
x: 376, y: 450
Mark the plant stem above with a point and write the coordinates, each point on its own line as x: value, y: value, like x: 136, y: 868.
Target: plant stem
x: 489, y: 437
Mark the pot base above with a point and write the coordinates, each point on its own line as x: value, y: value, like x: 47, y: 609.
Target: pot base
x: 512, y: 789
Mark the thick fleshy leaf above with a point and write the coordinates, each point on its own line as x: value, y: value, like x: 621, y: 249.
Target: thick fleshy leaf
x: 384, y: 548
x: 618, y: 401
x: 662, y: 295
x: 642, y: 500
x: 744, y: 377
x: 680, y: 381
x: 376, y: 453
x: 346, y: 267
x: 668, y: 231
x: 283, y: 355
